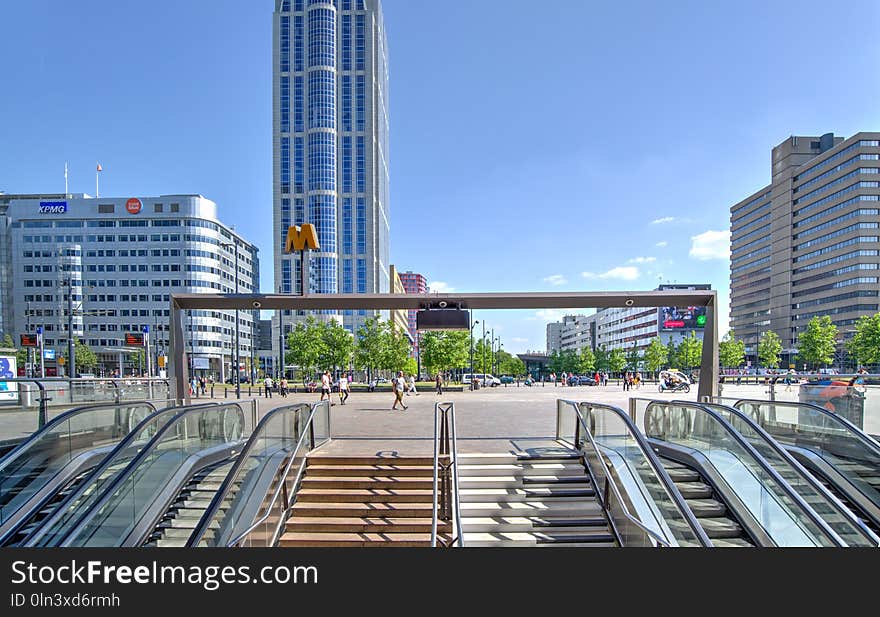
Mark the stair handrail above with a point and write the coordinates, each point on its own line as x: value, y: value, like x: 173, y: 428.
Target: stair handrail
x: 792, y: 494
x: 226, y: 485
x: 281, y: 489
x: 611, y: 486
x: 446, y: 496
x: 807, y: 476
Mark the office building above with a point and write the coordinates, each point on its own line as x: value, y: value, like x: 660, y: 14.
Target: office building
x: 330, y: 147
x: 632, y: 328
x: 573, y: 333
x: 122, y: 258
x: 807, y: 243
x: 413, y: 283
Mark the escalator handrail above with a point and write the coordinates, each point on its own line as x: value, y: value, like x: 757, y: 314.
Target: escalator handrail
x: 764, y: 465
x: 37, y: 533
x: 861, y: 435
x: 226, y: 486
x: 132, y: 466
x: 806, y: 475
x: 306, y: 432
x: 664, y: 477
x: 63, y: 417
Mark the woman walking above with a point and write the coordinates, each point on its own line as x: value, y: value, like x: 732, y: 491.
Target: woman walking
x: 397, y: 386
x: 438, y: 381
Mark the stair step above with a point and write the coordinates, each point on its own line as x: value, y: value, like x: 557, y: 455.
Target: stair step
x: 294, y: 539
x: 694, y: 490
x: 472, y: 482
x: 573, y: 456
x: 379, y: 495
x: 525, y: 470
x: 683, y: 474
x: 330, y: 482
x: 370, y: 471
x: 560, y: 508
x: 526, y: 524
x: 517, y: 494
x: 732, y: 543
x: 399, y: 461
x: 365, y: 524
x: 531, y: 539
x: 706, y: 508
x: 355, y: 509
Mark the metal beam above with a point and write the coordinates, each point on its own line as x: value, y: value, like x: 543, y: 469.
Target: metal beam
x: 567, y: 300
x: 709, y: 362
x: 178, y: 367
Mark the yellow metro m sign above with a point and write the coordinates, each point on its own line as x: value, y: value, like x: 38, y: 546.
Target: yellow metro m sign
x: 301, y: 238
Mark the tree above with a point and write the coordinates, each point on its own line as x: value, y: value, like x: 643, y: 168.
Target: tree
x: 633, y: 358
x: 85, y: 357
x: 514, y: 367
x: 483, y: 356
x: 690, y: 351
x: 395, y: 348
x: 731, y: 352
x: 444, y: 350
x: 338, y: 345
x: 769, y: 348
x: 370, y: 345
x: 656, y: 355
x: 617, y: 360
x: 865, y: 345
x: 411, y: 367
x: 602, y: 363
x: 672, y: 358
x: 587, y: 361
x: 816, y: 345
x: 306, y: 347
x: 138, y: 359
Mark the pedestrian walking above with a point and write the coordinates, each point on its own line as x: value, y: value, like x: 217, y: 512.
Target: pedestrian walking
x: 398, y: 384
x: 268, y: 385
x: 438, y: 382
x: 325, y: 385
x: 412, y: 386
x: 638, y: 380
x: 343, y: 388
x: 282, y: 389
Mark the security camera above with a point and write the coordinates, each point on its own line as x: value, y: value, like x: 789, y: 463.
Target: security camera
x: 629, y: 302
x: 257, y: 304
x: 442, y: 304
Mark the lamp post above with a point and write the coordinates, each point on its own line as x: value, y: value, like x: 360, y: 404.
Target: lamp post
x: 497, y: 368
x: 483, y: 339
x: 472, y: 352
x: 280, y: 338
x: 234, y: 244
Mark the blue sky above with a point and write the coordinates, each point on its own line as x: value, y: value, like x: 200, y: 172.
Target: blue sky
x: 592, y: 146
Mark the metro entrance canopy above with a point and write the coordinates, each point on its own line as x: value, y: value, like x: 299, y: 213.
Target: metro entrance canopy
x: 468, y: 301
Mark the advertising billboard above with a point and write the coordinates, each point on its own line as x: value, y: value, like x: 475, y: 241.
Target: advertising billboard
x: 682, y: 318
x: 8, y: 391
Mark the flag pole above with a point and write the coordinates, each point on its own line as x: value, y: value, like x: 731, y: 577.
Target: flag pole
x: 65, y: 180
x: 97, y: 173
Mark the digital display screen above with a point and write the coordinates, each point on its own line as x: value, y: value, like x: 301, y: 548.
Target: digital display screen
x: 682, y: 318
x: 29, y: 340
x: 134, y: 339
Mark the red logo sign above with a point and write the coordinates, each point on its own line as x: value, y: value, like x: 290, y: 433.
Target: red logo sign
x: 133, y: 205
x: 673, y: 324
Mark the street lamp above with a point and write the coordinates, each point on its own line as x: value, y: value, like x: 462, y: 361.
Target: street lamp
x: 483, y: 339
x: 472, y: 353
x: 234, y: 244
x: 280, y: 338
x: 497, y: 368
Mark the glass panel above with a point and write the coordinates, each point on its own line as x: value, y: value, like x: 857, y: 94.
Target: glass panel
x: 763, y: 496
x: 189, y: 433
x: 824, y: 505
x: 30, y: 468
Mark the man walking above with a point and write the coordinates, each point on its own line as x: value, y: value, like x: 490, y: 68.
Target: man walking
x: 412, y: 386
x: 268, y: 385
x: 343, y: 389
x: 438, y: 381
x: 397, y: 385
x: 325, y: 385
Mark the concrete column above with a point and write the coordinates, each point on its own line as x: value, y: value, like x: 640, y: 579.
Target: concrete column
x: 709, y: 361
x: 178, y: 363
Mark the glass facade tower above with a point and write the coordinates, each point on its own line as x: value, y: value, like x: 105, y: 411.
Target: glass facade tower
x: 330, y: 146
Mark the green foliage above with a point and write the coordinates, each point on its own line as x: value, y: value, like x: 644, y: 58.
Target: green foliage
x: 656, y: 355
x: 672, y: 358
x: 587, y: 361
x: 617, y: 360
x: 369, y: 348
x: 731, y: 352
x: 444, y: 350
x: 769, y: 348
x: 411, y: 366
x: 395, y: 348
x: 865, y: 345
x: 690, y: 351
x: 816, y: 344
x: 514, y: 367
x: 338, y: 345
x: 483, y: 356
x: 7, y: 342
x: 306, y: 347
x: 86, y: 360
x: 633, y: 358
x: 602, y: 359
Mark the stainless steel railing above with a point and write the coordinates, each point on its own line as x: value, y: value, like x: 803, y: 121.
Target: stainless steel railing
x: 446, y: 493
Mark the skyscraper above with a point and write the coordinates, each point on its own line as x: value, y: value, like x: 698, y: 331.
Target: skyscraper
x: 413, y: 283
x: 330, y: 145
x: 807, y: 244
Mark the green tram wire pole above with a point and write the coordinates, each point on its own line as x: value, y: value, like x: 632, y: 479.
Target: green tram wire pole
x: 708, y: 386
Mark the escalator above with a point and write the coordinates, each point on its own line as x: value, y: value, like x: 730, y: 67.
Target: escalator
x: 47, y: 467
x: 842, y: 457
x: 738, y: 497
x: 142, y: 475
x: 250, y: 508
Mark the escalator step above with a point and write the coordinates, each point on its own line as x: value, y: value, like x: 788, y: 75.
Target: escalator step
x: 732, y: 543
x: 706, y: 508
x: 694, y: 490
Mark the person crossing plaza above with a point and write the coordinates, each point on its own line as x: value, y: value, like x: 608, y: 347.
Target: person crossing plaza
x: 343, y: 388
x: 398, y: 384
x: 438, y: 381
x: 268, y: 385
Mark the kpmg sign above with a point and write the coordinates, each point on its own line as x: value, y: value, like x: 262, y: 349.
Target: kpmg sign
x: 53, y: 207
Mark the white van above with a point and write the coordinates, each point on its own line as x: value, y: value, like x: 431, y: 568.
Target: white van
x: 485, y: 379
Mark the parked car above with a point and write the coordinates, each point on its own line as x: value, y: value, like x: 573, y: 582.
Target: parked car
x: 486, y: 380
x: 507, y: 379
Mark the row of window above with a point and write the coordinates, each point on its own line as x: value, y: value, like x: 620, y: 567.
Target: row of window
x: 752, y: 234
x: 827, y: 187
x: 834, y: 170
x: 837, y: 272
x: 837, y: 195
x: 111, y: 208
x: 750, y: 245
x: 862, y: 280
x: 861, y: 293
x: 754, y: 264
x: 752, y: 223
x: 835, y: 247
x: 835, y: 234
x: 755, y: 253
x: 837, y: 221
x: 838, y: 259
x: 748, y: 205
x: 864, y: 143
x: 856, y: 308
x: 833, y: 209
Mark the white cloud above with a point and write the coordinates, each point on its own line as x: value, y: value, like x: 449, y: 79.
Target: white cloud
x: 440, y: 287
x: 555, y: 279
x: 519, y: 339
x: 710, y: 245
x: 642, y: 260
x: 661, y: 221
x: 625, y: 273
x: 550, y: 314
x: 662, y: 244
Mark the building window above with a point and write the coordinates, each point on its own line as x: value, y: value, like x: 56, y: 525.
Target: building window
x: 157, y: 207
x: 106, y: 208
